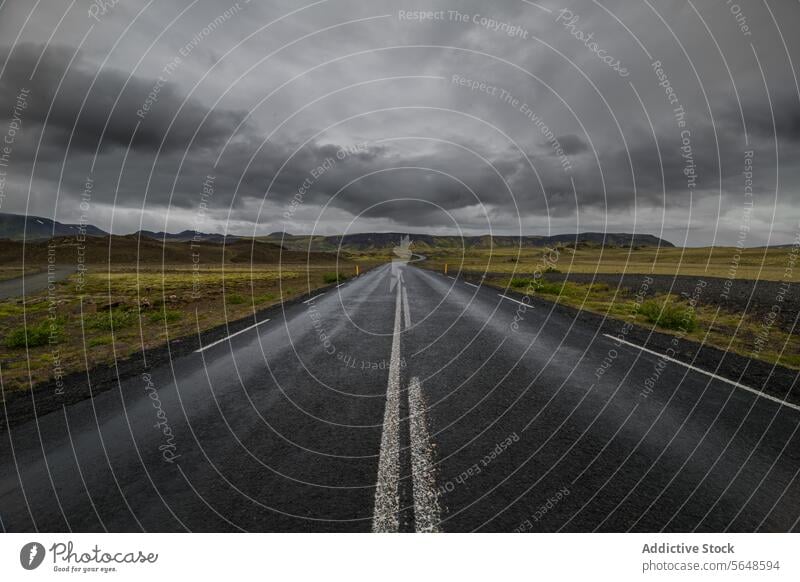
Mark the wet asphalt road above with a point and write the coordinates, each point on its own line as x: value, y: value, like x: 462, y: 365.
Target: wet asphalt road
x: 33, y: 282
x: 284, y: 428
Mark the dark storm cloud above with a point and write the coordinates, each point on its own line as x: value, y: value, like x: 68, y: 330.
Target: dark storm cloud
x: 572, y: 144
x: 768, y: 116
x: 606, y: 146
x: 103, y: 109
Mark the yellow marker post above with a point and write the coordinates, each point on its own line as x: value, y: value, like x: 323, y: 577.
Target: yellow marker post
x: 356, y: 270
x: 445, y: 268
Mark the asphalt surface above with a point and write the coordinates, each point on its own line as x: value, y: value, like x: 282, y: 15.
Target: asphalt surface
x: 405, y: 400
x: 33, y: 282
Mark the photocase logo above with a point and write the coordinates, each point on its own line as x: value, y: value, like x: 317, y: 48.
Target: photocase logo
x: 31, y: 555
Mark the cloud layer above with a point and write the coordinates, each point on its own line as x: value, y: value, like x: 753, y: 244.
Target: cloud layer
x: 468, y: 119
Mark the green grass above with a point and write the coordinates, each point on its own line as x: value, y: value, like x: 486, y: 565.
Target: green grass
x: 104, y: 320
x: 37, y: 335
x: 539, y: 286
x: 8, y: 309
x: 168, y: 315
x: 334, y: 277
x: 103, y: 340
x: 669, y: 315
x: 751, y: 263
x: 235, y: 299
x: 264, y: 298
x: 177, y: 295
x: 519, y: 282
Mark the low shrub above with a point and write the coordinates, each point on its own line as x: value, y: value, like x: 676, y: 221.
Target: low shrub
x: 103, y: 340
x: 334, y: 277
x: 669, y: 315
x: 234, y: 299
x: 538, y: 285
x: 520, y: 282
x: 168, y: 315
x: 109, y: 319
x: 37, y: 335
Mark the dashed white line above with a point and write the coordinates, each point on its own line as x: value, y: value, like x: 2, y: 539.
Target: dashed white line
x: 471, y: 284
x: 427, y: 513
x: 387, y: 495
x: 710, y: 374
x: 449, y: 277
x: 212, y: 344
x: 314, y: 297
x: 514, y: 300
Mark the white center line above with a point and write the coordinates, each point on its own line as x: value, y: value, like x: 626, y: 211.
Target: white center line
x: 514, y: 300
x: 427, y: 513
x: 387, y: 495
x: 406, y: 311
x: 314, y: 297
x: 710, y: 374
x: 212, y: 344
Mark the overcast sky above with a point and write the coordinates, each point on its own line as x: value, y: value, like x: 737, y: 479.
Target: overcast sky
x: 350, y: 116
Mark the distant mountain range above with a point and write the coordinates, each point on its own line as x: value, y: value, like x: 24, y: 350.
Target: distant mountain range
x: 17, y: 227
x: 34, y: 228
x: 372, y: 241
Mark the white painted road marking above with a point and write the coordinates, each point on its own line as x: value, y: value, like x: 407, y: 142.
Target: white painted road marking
x: 710, y: 374
x: 514, y: 300
x: 470, y: 284
x: 387, y: 495
x: 405, y: 308
x: 314, y: 297
x: 212, y: 344
x: 427, y: 513
x: 339, y: 285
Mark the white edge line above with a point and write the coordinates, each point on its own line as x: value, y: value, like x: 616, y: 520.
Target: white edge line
x: 339, y: 285
x: 471, y: 284
x: 449, y: 277
x: 710, y: 374
x: 212, y: 344
x: 314, y: 297
x: 514, y: 300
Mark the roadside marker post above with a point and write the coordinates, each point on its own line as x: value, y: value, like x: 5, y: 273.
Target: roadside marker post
x: 356, y: 270
x: 445, y: 268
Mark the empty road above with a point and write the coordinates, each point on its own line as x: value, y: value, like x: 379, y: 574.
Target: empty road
x: 405, y: 400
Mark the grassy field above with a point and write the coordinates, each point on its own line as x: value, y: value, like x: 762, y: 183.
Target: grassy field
x: 126, y: 308
x: 726, y: 328
x: 119, y: 311
x: 755, y: 263
x: 671, y: 314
